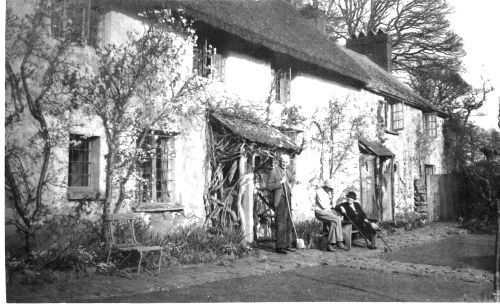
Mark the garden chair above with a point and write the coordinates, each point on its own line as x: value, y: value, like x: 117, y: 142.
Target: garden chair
x: 126, y: 240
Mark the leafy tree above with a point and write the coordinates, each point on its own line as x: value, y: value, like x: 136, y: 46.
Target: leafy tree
x: 135, y: 88
x: 33, y: 64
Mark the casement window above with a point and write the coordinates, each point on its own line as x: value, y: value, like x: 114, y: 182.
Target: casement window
x: 74, y: 20
x: 207, y: 61
x: 430, y: 125
x: 156, y: 184
x: 83, y: 168
x: 394, y: 117
x: 282, y: 84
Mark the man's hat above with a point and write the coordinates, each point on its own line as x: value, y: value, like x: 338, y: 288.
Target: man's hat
x: 352, y: 195
x: 328, y: 183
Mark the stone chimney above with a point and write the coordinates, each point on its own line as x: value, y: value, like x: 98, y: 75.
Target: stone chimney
x: 377, y: 46
x: 315, y: 16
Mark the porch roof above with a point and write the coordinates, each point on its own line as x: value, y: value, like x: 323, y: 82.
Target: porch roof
x: 257, y: 132
x: 375, y: 147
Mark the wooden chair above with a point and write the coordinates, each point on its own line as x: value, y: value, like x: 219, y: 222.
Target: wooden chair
x: 131, y: 244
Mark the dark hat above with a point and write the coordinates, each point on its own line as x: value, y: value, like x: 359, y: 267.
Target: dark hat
x: 352, y: 195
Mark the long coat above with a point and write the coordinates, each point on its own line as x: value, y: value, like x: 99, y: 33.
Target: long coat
x: 275, y: 186
x: 281, y: 207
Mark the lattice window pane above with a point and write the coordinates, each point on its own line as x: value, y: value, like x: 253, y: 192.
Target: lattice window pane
x: 397, y: 116
x: 79, y: 161
x: 156, y: 170
x: 430, y: 125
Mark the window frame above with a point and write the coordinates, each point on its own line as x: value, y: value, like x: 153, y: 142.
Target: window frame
x: 283, y: 84
x: 430, y: 126
x: 144, y: 199
x: 396, y: 122
x: 91, y: 189
x: 207, y: 60
x: 60, y: 12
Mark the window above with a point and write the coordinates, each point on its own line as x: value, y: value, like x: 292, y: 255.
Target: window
x: 157, y: 170
x: 282, y: 84
x: 396, y: 121
x: 430, y: 126
x: 74, y: 20
x: 83, y: 169
x: 207, y: 61
x: 429, y: 170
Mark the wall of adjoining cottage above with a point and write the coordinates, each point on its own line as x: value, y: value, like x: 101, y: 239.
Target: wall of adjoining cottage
x: 412, y: 151
x: 251, y: 79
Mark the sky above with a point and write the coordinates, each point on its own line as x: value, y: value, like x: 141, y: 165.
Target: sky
x: 478, y: 23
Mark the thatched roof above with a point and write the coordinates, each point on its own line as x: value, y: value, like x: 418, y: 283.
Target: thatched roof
x: 279, y: 27
x: 386, y: 84
x: 256, y: 132
x: 375, y: 147
x: 274, y: 24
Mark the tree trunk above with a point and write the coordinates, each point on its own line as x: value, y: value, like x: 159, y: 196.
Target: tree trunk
x: 107, y: 196
x: 496, y: 280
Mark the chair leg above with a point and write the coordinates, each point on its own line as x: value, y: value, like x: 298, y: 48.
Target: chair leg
x: 139, y: 266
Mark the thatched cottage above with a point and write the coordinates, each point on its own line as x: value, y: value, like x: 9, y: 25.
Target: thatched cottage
x: 359, y: 124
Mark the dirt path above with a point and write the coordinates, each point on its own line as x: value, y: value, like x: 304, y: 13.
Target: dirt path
x: 263, y: 262
x: 318, y: 284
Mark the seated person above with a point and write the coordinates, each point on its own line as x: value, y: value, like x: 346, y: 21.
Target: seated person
x: 323, y: 212
x: 355, y: 213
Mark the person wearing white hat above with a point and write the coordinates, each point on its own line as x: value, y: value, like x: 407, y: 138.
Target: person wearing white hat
x: 323, y: 212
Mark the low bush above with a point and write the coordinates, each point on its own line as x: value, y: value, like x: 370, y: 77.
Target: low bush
x: 194, y: 244
x: 408, y: 220
x: 310, y: 231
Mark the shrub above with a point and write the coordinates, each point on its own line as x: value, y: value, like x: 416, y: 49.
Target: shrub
x: 310, y: 231
x: 410, y: 220
x: 194, y: 244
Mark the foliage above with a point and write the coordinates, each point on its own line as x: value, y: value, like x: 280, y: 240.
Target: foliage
x: 34, y: 62
x: 310, y: 231
x: 409, y: 220
x: 334, y: 147
x: 69, y: 244
x: 193, y: 244
x: 137, y: 88
x: 479, y: 212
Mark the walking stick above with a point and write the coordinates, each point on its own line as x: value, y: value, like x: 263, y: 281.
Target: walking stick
x: 299, y: 241
x: 364, y: 235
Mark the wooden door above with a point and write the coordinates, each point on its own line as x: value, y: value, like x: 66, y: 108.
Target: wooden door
x: 367, y: 175
x: 386, y: 189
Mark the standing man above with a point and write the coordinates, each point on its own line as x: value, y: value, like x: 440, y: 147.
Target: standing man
x: 353, y: 210
x: 279, y: 183
x: 323, y: 211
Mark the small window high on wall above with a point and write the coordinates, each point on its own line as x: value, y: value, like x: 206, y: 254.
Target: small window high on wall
x: 74, y: 20
x: 397, y: 116
x: 394, y: 116
x: 282, y: 84
x: 208, y: 61
x: 430, y: 125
